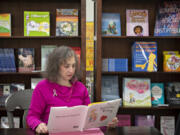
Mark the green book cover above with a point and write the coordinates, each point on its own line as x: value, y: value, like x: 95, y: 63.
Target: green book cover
x: 36, y: 23
x: 5, y: 24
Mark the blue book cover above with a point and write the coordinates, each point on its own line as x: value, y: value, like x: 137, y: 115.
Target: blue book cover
x: 157, y: 93
x: 167, y: 19
x: 118, y: 64
x: 144, y: 56
x: 111, y: 24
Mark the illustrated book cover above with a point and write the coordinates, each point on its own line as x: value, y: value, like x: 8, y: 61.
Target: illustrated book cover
x: 137, y: 23
x: 157, y: 94
x: 111, y: 24
x: 144, y: 56
x: 167, y: 19
x: 79, y: 118
x: 77, y: 50
x: 26, y: 59
x: 36, y: 23
x: 5, y: 24
x: 167, y: 125
x: 136, y: 92
x: 145, y: 120
x: 45, y: 50
x: 5, y: 123
x: 67, y: 22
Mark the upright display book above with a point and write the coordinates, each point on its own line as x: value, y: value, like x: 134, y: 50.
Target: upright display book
x: 137, y: 23
x: 66, y: 22
x: 144, y: 56
x: 111, y: 24
x: 36, y: 23
x: 5, y: 24
x: 26, y: 59
x: 173, y: 93
x: 45, y: 50
x: 77, y: 50
x: 5, y: 123
x: 145, y: 120
x: 157, y: 94
x: 136, y: 92
x: 167, y: 19
x: 167, y: 125
x: 79, y: 118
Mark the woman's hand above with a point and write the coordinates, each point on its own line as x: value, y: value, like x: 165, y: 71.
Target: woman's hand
x: 113, y: 123
x: 41, y: 128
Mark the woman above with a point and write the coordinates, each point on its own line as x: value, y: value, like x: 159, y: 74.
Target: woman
x: 60, y: 88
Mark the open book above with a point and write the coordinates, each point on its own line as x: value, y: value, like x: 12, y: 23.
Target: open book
x: 78, y: 118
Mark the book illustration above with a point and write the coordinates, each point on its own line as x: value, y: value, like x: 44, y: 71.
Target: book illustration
x: 136, y: 92
x: 5, y: 24
x: 111, y: 24
x: 66, y: 22
x: 26, y: 59
x: 145, y: 120
x: 5, y: 124
x: 36, y: 23
x: 124, y: 120
x: 173, y: 93
x: 137, y: 23
x: 157, y: 94
x: 144, y: 56
x: 77, y: 50
x: 167, y: 19
x: 167, y: 125
x: 79, y: 118
x: 45, y: 50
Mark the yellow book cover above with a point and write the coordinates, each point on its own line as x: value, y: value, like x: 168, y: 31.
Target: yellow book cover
x: 5, y: 24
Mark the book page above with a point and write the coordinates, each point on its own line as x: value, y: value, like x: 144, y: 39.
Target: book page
x: 66, y: 119
x: 101, y: 114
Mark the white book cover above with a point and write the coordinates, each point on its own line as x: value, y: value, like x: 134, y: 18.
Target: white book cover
x: 137, y: 23
x: 5, y: 124
x: 167, y: 125
x: 79, y: 118
x: 34, y: 82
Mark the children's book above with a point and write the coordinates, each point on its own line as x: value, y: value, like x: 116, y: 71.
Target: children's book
x: 145, y: 120
x: 136, y: 92
x: 173, y: 93
x: 157, y: 94
x: 124, y: 120
x: 167, y: 19
x: 5, y: 24
x: 111, y: 24
x: 144, y: 56
x: 45, y: 50
x: 66, y: 22
x: 34, y: 82
x: 77, y: 50
x: 26, y: 59
x: 137, y: 23
x: 79, y: 118
x: 167, y: 125
x: 110, y: 88
x: 36, y: 23
x: 5, y: 124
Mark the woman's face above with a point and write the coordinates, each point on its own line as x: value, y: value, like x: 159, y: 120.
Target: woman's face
x: 67, y: 69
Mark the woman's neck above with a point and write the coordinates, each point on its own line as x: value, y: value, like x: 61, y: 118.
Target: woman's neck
x: 64, y: 82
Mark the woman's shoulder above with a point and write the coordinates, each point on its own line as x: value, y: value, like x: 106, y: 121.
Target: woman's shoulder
x: 43, y: 83
x: 78, y: 84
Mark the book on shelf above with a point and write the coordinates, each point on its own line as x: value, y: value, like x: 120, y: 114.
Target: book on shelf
x: 124, y: 120
x: 167, y: 125
x: 171, y: 61
x: 111, y: 24
x: 77, y: 50
x: 5, y: 123
x: 34, y: 82
x: 67, y: 22
x: 5, y: 24
x: 137, y: 23
x: 110, y: 88
x: 79, y: 118
x: 36, y: 23
x: 7, y: 89
x: 157, y: 94
x: 173, y: 93
x: 136, y: 92
x: 145, y: 120
x: 144, y: 56
x: 167, y: 19
x: 26, y: 61
x: 45, y: 50
x: 7, y: 60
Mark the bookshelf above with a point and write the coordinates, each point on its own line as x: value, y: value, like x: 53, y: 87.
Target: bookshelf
x: 120, y: 47
x: 17, y: 40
